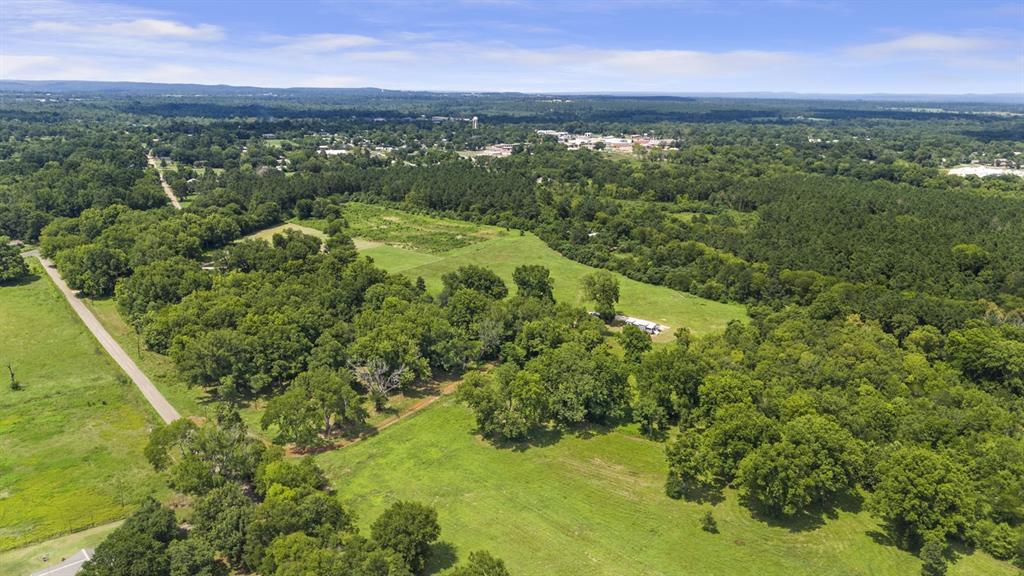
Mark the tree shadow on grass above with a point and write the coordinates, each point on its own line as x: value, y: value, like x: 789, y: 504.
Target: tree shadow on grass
x: 588, y: 431
x: 23, y: 281
x: 443, y: 555
x: 537, y: 439
x: 796, y: 523
x: 695, y: 492
x: 890, y: 536
x: 421, y: 389
x: 812, y: 519
x: 882, y: 538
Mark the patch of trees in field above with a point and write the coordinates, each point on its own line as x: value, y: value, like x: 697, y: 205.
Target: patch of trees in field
x: 805, y: 415
x: 12, y: 265
x: 103, y: 245
x: 255, y: 511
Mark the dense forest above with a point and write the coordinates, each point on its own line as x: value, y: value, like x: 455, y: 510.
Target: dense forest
x: 883, y: 366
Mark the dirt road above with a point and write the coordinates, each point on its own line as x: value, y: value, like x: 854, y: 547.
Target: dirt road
x: 167, y: 187
x: 153, y: 396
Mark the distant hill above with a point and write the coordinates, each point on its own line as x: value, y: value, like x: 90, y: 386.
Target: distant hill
x: 152, y: 88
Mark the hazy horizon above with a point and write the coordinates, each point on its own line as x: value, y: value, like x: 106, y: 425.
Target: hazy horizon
x: 105, y: 85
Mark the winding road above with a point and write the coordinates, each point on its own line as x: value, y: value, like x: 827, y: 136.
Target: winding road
x: 167, y: 187
x: 153, y: 396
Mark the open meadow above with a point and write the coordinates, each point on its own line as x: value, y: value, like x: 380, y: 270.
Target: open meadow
x: 592, y: 503
x: 418, y: 245
x: 71, y: 438
x: 268, y: 233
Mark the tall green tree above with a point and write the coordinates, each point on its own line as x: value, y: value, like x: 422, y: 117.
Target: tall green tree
x: 476, y: 278
x: 481, y: 563
x: 534, y: 281
x: 602, y: 287
x: 921, y: 493
x: 408, y: 528
x: 222, y: 519
x: 580, y: 384
x: 315, y: 403
x: 12, y: 265
x: 194, y: 557
x: 508, y: 403
x: 635, y: 342
x: 139, y: 546
x: 815, y: 461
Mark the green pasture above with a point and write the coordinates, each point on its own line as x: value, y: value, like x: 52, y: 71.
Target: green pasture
x: 593, y: 503
x: 268, y: 233
x: 412, y: 244
x: 71, y: 439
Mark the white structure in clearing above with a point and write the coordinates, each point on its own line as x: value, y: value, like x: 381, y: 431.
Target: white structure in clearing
x: 620, y: 143
x: 982, y: 171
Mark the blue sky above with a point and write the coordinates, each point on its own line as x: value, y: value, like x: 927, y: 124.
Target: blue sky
x: 525, y: 45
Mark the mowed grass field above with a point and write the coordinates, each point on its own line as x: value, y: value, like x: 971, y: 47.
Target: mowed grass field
x: 591, y: 504
x: 417, y: 245
x: 71, y: 440
x: 29, y: 559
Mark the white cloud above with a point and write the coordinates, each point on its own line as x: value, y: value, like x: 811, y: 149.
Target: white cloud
x: 16, y: 65
x: 381, y: 56
x: 154, y: 27
x: 323, y: 42
x: 141, y: 27
x: 646, y: 66
x: 693, y: 63
x: 917, y: 44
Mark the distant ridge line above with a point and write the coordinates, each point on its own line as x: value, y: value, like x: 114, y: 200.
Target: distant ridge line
x: 157, y: 88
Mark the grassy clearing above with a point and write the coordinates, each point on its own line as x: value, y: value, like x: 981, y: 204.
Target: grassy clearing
x: 591, y: 504
x: 409, y: 243
x: 30, y: 558
x: 71, y: 441
x: 415, y: 232
x: 268, y: 233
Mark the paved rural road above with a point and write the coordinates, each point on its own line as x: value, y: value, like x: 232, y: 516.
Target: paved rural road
x: 155, y: 398
x: 167, y: 187
x: 69, y: 567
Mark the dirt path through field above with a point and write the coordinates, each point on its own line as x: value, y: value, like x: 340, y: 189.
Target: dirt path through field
x: 163, y: 183
x: 415, y: 407
x: 445, y: 391
x: 167, y: 412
